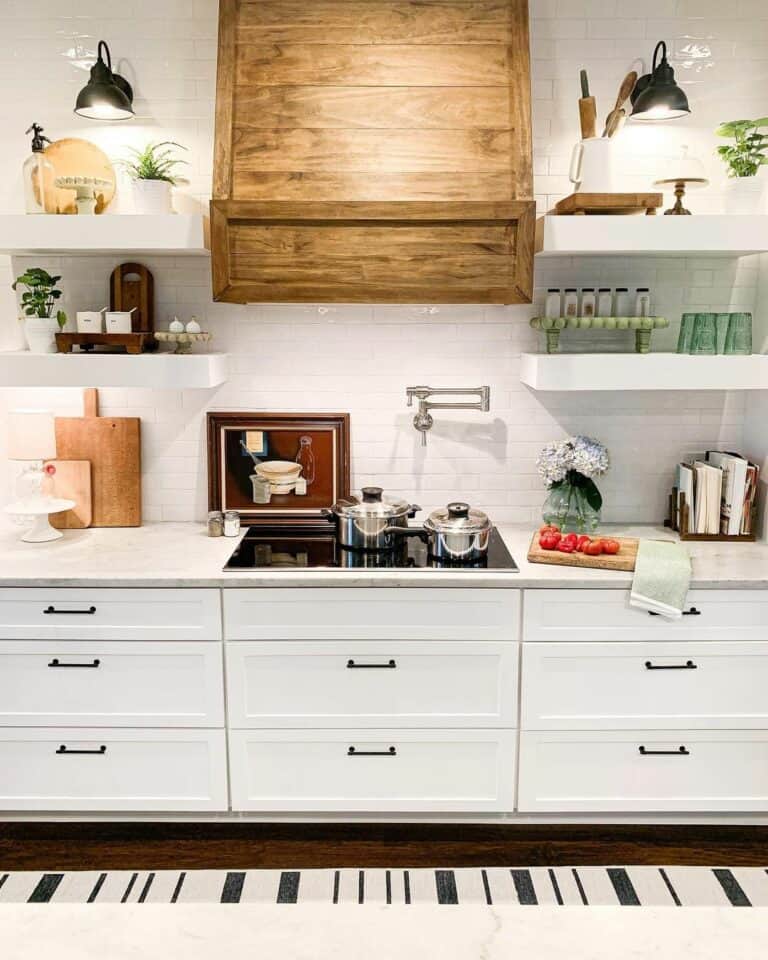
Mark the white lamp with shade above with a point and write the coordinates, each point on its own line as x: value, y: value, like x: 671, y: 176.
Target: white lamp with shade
x: 32, y: 438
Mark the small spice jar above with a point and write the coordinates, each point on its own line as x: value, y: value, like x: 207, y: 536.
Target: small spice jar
x: 588, y: 302
x: 622, y: 302
x: 215, y: 523
x: 553, y: 306
x: 571, y: 304
x: 604, y: 302
x: 643, y: 302
x: 231, y: 523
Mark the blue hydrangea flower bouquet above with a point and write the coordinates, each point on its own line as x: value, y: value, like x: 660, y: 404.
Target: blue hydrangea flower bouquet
x: 567, y: 468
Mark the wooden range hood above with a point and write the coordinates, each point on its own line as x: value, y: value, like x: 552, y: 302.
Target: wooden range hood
x: 373, y: 151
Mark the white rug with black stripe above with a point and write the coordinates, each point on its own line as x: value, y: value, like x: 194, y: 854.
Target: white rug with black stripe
x: 507, y: 886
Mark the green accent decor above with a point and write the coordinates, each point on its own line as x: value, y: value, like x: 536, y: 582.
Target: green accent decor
x: 643, y: 327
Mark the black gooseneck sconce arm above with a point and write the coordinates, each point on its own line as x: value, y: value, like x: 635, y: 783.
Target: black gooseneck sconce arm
x: 107, y: 95
x: 657, y: 96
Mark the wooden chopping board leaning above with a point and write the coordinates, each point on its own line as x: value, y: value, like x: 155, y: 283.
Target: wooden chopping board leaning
x: 113, y: 447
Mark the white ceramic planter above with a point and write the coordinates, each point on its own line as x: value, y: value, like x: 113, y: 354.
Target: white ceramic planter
x: 744, y: 195
x: 151, y: 197
x: 41, y: 334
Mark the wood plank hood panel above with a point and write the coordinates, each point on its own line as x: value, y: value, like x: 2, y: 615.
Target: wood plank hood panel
x: 373, y: 150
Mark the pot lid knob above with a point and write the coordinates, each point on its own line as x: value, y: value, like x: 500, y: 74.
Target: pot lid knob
x: 458, y: 511
x: 372, y: 494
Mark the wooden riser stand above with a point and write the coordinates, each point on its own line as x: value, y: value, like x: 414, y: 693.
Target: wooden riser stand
x: 681, y: 524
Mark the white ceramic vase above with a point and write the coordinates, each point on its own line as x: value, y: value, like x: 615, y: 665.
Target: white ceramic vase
x: 744, y: 195
x: 152, y: 197
x: 41, y: 334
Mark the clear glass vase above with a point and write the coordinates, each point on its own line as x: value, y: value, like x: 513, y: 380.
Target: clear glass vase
x: 567, y: 506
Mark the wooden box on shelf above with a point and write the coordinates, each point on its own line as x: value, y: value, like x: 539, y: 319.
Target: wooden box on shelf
x: 679, y: 519
x: 581, y: 204
x: 130, y: 342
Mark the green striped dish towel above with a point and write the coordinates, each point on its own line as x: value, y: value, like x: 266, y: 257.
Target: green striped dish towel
x: 662, y: 578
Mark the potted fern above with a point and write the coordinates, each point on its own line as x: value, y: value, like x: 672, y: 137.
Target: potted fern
x: 744, y: 158
x: 152, y: 171
x: 38, y: 302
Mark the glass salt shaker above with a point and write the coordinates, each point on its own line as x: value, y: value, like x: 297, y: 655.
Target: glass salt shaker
x: 231, y: 523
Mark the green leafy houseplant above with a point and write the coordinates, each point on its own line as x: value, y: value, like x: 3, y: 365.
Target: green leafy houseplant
x: 41, y: 294
x: 154, y: 162
x: 748, y: 153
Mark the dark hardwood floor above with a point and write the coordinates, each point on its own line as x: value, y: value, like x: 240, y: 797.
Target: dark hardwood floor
x: 139, y: 846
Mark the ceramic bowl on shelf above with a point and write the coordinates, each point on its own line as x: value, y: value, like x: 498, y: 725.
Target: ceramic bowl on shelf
x: 282, y: 474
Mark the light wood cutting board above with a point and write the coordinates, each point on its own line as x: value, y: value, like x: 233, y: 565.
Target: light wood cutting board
x: 113, y: 446
x: 623, y: 560
x: 72, y: 481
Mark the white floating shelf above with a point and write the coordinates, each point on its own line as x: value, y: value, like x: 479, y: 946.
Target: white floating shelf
x: 637, y: 371
x: 160, y: 371
x: 703, y: 235
x: 72, y: 235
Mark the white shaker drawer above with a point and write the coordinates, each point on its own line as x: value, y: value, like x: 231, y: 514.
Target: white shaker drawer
x: 110, y: 683
x: 568, y: 615
x: 645, y: 771
x: 106, y: 614
x: 372, y: 770
x: 365, y: 613
x: 611, y: 686
x: 102, y: 769
x: 370, y: 683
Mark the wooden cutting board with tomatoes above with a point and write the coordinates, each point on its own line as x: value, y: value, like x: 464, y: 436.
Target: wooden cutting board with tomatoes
x: 571, y: 550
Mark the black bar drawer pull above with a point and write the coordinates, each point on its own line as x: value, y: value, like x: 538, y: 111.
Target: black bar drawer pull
x: 688, y: 665
x: 352, y: 752
x: 693, y: 612
x: 680, y: 752
x: 63, y: 750
x: 90, y: 610
x: 89, y: 666
x: 389, y: 665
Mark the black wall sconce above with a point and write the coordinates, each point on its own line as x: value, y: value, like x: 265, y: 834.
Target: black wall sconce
x: 107, y: 95
x: 656, y: 95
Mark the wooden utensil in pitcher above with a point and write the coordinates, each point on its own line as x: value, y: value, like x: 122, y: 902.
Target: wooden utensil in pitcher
x: 614, y: 119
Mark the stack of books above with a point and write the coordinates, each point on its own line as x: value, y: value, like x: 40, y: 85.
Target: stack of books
x: 720, y: 490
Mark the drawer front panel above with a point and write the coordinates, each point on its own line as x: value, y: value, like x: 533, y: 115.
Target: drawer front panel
x: 361, y: 613
x: 372, y: 770
x: 614, y: 686
x: 372, y: 684
x: 102, y: 614
x: 110, y: 683
x: 103, y: 769
x: 603, y: 772
x: 599, y: 615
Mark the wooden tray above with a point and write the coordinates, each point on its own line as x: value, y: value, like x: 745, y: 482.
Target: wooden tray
x: 609, y: 203
x: 623, y: 560
x: 130, y: 342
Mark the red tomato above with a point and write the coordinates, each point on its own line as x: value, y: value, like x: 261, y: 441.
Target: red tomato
x: 571, y: 538
x: 549, y: 528
x: 594, y: 548
x: 580, y: 543
x: 566, y: 546
x: 549, y: 541
x: 610, y: 546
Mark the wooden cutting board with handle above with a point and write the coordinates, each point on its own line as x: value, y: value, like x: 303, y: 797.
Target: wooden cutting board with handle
x: 113, y: 447
x: 72, y: 481
x: 623, y: 560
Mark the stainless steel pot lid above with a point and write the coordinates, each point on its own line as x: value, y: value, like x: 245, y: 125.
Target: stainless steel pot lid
x: 372, y: 503
x: 457, y: 518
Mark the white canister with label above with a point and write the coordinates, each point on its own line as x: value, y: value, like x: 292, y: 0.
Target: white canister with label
x: 118, y: 321
x: 90, y: 321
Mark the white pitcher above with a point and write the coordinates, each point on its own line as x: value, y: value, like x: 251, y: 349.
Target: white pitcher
x: 591, y: 168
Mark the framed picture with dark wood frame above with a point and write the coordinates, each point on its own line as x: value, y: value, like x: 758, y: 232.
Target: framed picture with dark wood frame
x: 277, y: 468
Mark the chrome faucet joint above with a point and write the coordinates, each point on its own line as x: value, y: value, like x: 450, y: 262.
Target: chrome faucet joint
x: 423, y: 420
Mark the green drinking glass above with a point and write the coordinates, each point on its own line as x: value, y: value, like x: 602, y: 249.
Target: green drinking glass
x: 721, y: 322
x: 704, y: 341
x: 686, y: 332
x: 738, y: 339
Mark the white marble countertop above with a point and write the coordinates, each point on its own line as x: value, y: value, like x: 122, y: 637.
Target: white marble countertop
x: 181, y: 555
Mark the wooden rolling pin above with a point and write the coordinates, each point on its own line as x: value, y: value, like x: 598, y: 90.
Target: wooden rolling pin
x: 587, y: 109
x: 615, y: 119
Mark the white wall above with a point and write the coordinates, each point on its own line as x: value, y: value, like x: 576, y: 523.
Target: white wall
x: 360, y: 358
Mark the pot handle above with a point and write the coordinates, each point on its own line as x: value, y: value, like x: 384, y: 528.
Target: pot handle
x: 413, y: 509
x: 328, y: 514
x: 406, y: 532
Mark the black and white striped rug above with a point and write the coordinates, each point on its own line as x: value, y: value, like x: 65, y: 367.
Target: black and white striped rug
x: 533, y: 886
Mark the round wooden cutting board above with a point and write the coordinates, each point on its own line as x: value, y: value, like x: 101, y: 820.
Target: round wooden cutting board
x: 72, y: 157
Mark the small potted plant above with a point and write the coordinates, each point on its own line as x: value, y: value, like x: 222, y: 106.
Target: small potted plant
x: 38, y: 302
x: 744, y: 159
x: 567, y: 468
x: 152, y: 172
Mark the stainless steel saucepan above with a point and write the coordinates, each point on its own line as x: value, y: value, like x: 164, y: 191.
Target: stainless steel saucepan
x: 457, y: 532
x: 372, y: 521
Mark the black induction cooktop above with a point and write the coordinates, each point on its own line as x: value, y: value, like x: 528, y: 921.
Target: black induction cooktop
x: 315, y: 548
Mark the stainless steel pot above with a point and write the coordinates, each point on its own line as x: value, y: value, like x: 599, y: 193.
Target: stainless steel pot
x: 458, y: 533
x: 372, y: 522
